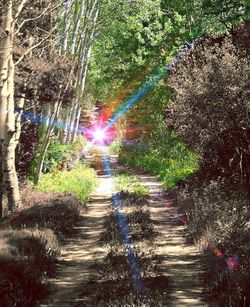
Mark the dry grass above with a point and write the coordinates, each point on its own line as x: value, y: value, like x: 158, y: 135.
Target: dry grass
x: 29, y: 244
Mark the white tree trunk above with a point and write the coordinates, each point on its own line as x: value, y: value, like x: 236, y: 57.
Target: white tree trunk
x: 7, y: 115
x: 47, y: 139
x: 78, y: 18
x: 67, y: 26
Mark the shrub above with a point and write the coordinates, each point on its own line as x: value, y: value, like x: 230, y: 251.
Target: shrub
x: 114, y: 148
x: 165, y: 155
x: 60, y: 156
x: 210, y: 106
x: 218, y: 219
x: 38, y: 246
x: 59, y: 214
x: 80, y: 181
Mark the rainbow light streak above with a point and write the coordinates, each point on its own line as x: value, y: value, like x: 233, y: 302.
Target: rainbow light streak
x: 124, y: 231
x: 141, y: 92
x: 148, y: 86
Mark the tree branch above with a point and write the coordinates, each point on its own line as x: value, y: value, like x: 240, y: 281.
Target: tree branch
x: 31, y: 19
x: 20, y: 8
x: 34, y: 46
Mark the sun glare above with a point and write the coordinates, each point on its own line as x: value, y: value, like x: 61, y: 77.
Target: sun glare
x: 99, y: 135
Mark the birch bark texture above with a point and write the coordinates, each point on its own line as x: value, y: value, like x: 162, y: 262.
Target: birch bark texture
x: 79, y: 30
x: 12, y: 21
x: 9, y: 180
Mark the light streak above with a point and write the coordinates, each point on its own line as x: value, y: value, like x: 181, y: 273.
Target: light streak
x: 41, y: 119
x: 124, y: 231
x: 148, y: 85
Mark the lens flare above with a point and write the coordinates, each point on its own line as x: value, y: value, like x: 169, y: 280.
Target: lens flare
x: 99, y: 135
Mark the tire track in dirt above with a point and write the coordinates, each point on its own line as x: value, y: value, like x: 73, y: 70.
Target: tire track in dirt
x: 181, y: 261
x: 82, y: 251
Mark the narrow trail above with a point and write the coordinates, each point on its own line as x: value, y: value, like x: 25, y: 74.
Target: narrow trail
x: 181, y: 260
x: 81, y: 253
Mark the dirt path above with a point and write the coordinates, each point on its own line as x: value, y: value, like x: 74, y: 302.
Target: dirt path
x: 181, y: 261
x: 82, y: 252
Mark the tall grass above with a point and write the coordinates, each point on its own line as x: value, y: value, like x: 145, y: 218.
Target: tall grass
x: 26, y: 257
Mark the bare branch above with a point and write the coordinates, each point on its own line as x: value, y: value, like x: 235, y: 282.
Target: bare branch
x: 20, y: 8
x: 31, y: 19
x: 35, y: 46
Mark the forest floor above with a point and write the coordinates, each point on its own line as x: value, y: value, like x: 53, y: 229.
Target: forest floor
x: 82, y: 253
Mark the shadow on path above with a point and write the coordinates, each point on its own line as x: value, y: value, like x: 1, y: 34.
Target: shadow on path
x: 181, y: 260
x: 82, y: 252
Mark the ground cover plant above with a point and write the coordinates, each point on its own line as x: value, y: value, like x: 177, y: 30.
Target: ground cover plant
x: 26, y: 258
x: 30, y: 243
x: 80, y: 181
x: 126, y: 182
x: 163, y: 155
x: 59, y: 214
x: 217, y: 220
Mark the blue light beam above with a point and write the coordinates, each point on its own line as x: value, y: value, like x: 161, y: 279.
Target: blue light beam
x: 41, y: 119
x: 124, y: 232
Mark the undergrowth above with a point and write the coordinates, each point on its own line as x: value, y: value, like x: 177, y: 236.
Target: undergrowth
x: 58, y: 214
x: 59, y: 156
x: 80, y: 180
x: 130, y: 183
x: 30, y: 243
x: 26, y: 257
x: 218, y: 220
x: 163, y: 155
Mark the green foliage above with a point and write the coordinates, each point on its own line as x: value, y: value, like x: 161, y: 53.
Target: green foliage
x: 130, y: 183
x: 55, y: 155
x: 80, y: 181
x: 141, y: 34
x: 163, y: 155
x: 131, y: 37
x: 59, y: 156
x: 114, y: 148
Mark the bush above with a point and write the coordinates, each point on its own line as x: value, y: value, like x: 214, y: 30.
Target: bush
x: 114, y: 148
x: 210, y: 106
x: 217, y: 219
x: 81, y: 181
x: 60, y: 156
x: 164, y: 155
